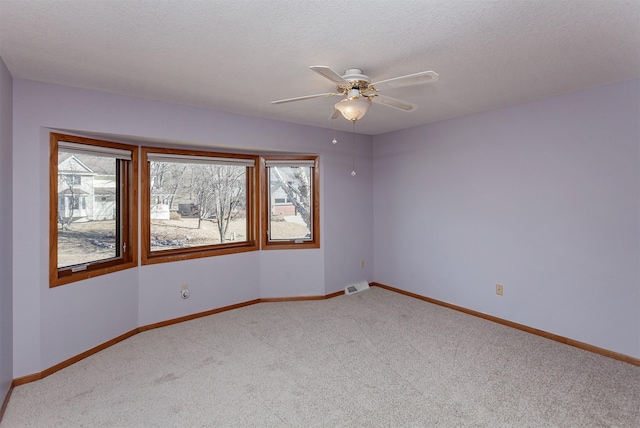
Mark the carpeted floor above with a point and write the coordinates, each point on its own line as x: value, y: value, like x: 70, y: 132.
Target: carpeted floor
x: 373, y: 359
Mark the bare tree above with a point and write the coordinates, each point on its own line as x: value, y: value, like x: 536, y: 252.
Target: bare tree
x: 67, y: 182
x: 166, y: 179
x: 229, y: 183
x: 201, y: 189
x: 219, y: 191
x: 66, y: 218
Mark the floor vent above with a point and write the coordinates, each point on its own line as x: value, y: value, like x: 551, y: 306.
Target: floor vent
x: 357, y: 287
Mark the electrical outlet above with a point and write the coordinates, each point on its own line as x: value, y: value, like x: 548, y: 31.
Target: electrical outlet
x: 499, y: 289
x: 361, y: 264
x: 184, y: 291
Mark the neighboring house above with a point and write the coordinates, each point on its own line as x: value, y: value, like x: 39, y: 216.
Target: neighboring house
x: 280, y: 203
x: 86, y: 187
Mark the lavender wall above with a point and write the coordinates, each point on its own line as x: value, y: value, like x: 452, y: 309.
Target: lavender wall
x: 51, y: 325
x: 6, y: 223
x: 542, y: 197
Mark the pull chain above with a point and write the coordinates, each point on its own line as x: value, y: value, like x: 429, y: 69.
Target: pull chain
x: 353, y: 168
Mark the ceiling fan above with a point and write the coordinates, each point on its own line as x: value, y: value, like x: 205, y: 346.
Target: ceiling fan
x: 359, y: 92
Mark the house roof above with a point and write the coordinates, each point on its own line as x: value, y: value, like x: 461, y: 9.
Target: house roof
x: 69, y: 163
x: 96, y: 165
x: 237, y: 56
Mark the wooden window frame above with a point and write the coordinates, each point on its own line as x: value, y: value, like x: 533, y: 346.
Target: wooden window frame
x: 127, y: 217
x: 171, y: 255
x: 290, y: 244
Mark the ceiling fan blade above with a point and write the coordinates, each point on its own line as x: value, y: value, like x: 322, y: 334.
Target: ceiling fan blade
x: 336, y: 114
x: 328, y: 73
x: 408, y: 80
x: 306, y: 97
x: 392, y: 102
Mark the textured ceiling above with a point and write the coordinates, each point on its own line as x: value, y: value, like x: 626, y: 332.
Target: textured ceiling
x: 239, y: 55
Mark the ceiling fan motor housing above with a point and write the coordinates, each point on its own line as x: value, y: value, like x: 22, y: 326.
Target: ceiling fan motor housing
x: 356, y: 78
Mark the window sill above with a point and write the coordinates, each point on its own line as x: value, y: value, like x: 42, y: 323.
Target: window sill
x: 57, y: 280
x: 196, y: 253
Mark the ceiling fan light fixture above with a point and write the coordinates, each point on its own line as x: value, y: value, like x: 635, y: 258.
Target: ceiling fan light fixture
x: 353, y: 108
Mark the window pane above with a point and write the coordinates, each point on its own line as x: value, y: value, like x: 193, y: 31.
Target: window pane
x: 290, y: 215
x: 197, y: 204
x: 88, y: 227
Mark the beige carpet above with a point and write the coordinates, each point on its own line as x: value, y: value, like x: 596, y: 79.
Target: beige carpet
x: 373, y: 359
